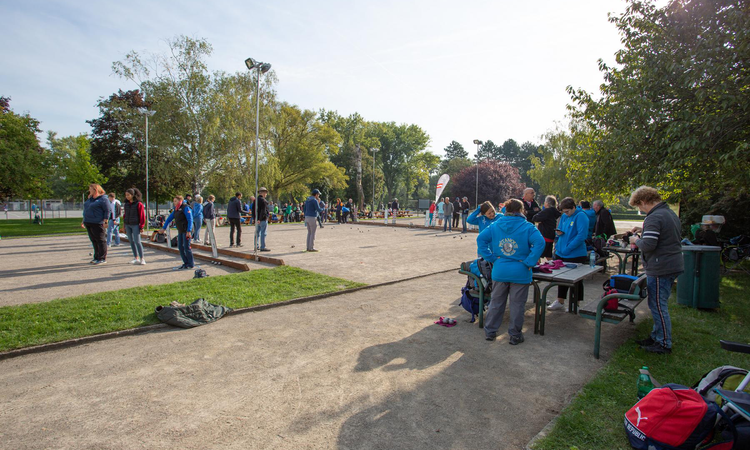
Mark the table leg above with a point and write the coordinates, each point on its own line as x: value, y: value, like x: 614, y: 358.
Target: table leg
x: 619, y: 263
x: 542, y: 311
x: 537, y: 300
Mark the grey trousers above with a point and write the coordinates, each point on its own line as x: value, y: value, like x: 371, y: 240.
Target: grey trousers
x: 312, y: 226
x: 500, y: 293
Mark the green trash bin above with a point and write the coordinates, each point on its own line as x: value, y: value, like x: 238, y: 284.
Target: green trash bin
x: 698, y: 286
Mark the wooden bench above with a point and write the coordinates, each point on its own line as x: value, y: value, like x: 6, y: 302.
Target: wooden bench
x: 595, y: 309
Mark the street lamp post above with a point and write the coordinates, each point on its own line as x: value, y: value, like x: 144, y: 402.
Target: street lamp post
x: 262, y: 68
x: 147, y: 112
x: 373, y: 180
x: 476, y: 195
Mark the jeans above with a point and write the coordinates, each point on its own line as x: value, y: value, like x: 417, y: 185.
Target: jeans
x: 197, y: 223
x: 659, y: 290
x: 134, y: 236
x: 501, y: 293
x: 261, y: 230
x: 463, y: 221
x: 98, y: 240
x: 312, y: 225
x: 113, y: 228
x: 186, y: 253
x: 447, y: 224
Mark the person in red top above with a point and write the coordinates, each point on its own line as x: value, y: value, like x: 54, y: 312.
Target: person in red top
x: 135, y: 221
x: 432, y: 211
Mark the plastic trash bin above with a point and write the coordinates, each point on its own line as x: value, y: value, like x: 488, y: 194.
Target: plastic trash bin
x: 698, y: 286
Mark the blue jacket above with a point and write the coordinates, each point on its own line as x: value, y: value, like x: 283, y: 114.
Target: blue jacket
x: 188, y: 216
x: 96, y: 210
x: 513, y: 245
x: 591, y: 214
x: 481, y: 221
x: 312, y: 207
x: 197, y: 211
x: 572, y: 243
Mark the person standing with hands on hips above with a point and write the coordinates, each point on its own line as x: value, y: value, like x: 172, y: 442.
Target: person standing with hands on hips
x: 183, y: 220
x: 513, y: 246
x: 662, y: 261
x: 312, y: 210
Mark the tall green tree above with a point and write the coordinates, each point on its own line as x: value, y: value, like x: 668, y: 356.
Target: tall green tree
x: 549, y: 170
x: 455, y: 150
x: 23, y: 162
x: 489, y: 151
x: 398, y: 145
x: 675, y: 110
x: 72, y: 168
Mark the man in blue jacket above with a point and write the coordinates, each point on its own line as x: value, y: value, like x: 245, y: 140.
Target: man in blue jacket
x: 183, y: 220
x: 513, y: 245
x: 312, y: 209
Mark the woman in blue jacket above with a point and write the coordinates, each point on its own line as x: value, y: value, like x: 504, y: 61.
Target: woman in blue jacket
x: 197, y: 218
x: 572, y: 232
x: 483, y: 216
x: 95, y: 213
x: 513, y: 245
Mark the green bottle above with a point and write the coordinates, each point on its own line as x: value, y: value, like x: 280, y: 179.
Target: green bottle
x: 644, y: 382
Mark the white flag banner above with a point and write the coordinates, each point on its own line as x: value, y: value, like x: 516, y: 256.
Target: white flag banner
x: 442, y: 181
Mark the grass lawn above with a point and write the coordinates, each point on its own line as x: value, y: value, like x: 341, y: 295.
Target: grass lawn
x: 594, y: 419
x: 58, y: 320
x: 23, y: 227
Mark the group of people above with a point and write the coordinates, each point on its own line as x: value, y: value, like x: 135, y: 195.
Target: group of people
x: 515, y: 240
x: 448, y: 214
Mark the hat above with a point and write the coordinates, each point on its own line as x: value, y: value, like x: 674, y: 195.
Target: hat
x: 315, y: 192
x: 262, y: 190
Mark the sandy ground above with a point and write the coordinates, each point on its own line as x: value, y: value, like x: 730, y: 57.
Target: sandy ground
x: 45, y: 268
x: 366, y: 370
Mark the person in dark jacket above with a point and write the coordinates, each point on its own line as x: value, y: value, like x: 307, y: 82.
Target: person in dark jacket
x: 261, y: 225
x: 662, y: 262
x: 456, y: 212
x: 234, y: 212
x: 547, y: 220
x: 209, y: 215
x: 96, y: 210
x: 513, y: 246
x: 135, y: 220
x: 312, y: 209
x: 183, y: 220
x: 530, y: 206
x: 605, y: 225
x: 465, y: 207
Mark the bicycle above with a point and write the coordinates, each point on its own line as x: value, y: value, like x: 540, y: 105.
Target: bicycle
x: 735, y: 254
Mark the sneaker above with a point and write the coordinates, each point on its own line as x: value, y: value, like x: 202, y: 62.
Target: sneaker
x: 231, y: 245
x: 515, y: 340
x: 135, y: 261
x: 490, y: 338
x: 556, y: 306
x: 143, y: 262
x: 239, y: 245
x: 101, y: 261
x: 93, y: 261
x: 648, y: 342
x: 658, y: 348
x: 265, y: 249
x: 182, y: 267
x: 314, y: 250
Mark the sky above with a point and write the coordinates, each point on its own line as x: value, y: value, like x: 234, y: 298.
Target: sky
x: 460, y: 70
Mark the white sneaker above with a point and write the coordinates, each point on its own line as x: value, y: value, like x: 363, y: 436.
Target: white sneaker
x: 143, y: 262
x: 556, y: 306
x: 135, y: 261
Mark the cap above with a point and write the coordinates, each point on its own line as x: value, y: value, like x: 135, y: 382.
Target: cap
x: 262, y: 190
x: 315, y: 192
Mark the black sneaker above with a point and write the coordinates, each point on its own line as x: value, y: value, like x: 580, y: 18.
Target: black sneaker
x: 658, y: 348
x: 646, y: 342
x: 490, y: 338
x: 515, y: 340
x: 265, y: 249
x: 239, y: 245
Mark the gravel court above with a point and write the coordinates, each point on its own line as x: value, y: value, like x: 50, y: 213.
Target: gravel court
x: 366, y: 370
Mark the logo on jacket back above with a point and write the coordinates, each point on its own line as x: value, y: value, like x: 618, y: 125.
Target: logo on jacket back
x: 508, y: 246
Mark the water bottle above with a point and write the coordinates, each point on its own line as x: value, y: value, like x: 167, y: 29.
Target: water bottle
x: 592, y: 259
x: 644, y: 382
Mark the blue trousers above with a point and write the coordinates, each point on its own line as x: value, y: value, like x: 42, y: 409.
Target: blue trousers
x: 260, y: 232
x: 134, y: 236
x: 186, y: 253
x: 659, y: 290
x: 113, y: 228
x: 197, y: 223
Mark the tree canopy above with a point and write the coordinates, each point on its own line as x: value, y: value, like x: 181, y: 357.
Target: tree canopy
x: 23, y: 162
x: 498, y: 181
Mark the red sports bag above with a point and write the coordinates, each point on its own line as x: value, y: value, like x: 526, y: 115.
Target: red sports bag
x: 674, y: 417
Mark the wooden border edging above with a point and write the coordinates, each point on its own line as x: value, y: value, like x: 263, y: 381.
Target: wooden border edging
x: 149, y: 328
x: 405, y: 225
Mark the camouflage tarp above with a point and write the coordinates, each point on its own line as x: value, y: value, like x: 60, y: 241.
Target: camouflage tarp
x: 198, y: 313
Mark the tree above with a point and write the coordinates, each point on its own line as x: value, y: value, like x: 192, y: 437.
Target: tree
x: 498, y: 181
x: 72, y: 169
x: 488, y: 150
x: 398, y: 144
x: 550, y: 169
x: 674, y: 112
x: 299, y: 152
x: 455, y: 150
x: 23, y: 162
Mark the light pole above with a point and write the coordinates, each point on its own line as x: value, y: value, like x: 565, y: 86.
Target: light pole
x: 374, y: 150
x: 146, y: 112
x: 262, y: 68
x: 476, y: 195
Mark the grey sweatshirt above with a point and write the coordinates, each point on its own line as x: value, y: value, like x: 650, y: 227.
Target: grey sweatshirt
x: 660, y: 243
x: 448, y: 209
